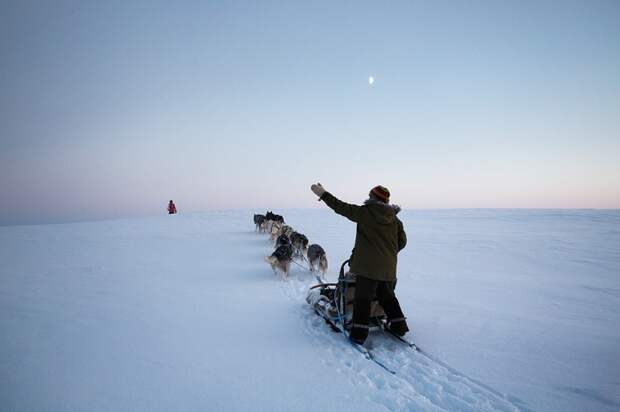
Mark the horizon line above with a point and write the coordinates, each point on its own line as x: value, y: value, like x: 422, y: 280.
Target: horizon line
x: 146, y: 216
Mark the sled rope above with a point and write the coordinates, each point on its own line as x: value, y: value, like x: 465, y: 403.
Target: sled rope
x: 301, y: 266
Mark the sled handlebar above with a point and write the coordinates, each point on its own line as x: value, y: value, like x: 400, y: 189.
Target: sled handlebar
x: 342, y: 269
x: 323, y: 285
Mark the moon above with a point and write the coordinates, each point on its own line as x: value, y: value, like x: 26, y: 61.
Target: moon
x: 371, y: 80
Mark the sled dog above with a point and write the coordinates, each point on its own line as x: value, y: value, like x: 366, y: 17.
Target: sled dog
x: 317, y: 257
x: 276, y: 227
x: 260, y: 222
x: 283, y: 240
x: 300, y: 244
x: 280, y: 260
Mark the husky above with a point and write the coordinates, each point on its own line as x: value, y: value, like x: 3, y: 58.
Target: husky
x: 317, y: 257
x: 300, y: 244
x: 276, y: 218
x: 276, y: 227
x: 287, y: 230
x: 283, y: 240
x: 271, y: 219
x: 260, y: 221
x: 280, y: 260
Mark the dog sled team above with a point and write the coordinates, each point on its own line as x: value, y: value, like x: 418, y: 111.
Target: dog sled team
x: 289, y: 245
x: 364, y: 297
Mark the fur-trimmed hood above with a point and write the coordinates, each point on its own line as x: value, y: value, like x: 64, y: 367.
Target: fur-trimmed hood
x: 382, y: 212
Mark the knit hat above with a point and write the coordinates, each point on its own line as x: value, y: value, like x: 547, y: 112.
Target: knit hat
x: 380, y: 193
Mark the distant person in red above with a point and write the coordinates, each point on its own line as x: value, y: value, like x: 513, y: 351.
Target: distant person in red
x: 172, y: 209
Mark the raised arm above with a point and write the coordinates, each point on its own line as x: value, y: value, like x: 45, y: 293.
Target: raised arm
x: 352, y: 212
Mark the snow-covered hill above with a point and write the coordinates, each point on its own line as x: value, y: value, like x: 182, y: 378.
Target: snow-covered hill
x: 518, y: 309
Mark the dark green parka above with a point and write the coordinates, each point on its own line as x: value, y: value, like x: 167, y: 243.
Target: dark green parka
x: 379, y: 238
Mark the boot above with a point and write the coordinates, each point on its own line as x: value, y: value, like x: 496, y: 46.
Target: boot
x: 398, y: 326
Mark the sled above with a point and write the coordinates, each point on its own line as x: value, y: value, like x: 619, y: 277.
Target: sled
x: 334, y: 302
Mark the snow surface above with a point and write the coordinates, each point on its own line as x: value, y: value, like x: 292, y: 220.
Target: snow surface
x: 518, y: 309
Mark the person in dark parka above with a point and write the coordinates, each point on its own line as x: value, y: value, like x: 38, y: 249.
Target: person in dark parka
x: 379, y: 238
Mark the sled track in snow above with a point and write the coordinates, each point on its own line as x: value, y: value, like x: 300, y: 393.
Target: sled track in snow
x: 421, y: 383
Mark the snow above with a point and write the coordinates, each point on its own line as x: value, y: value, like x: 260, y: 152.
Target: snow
x: 518, y: 310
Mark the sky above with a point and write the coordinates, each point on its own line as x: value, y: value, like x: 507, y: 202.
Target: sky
x: 110, y: 109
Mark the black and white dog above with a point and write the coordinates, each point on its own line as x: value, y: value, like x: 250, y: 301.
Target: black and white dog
x: 300, y: 244
x: 261, y: 223
x: 271, y: 220
x: 276, y: 218
x: 281, y: 259
x: 283, y: 240
x: 287, y: 230
x: 317, y: 257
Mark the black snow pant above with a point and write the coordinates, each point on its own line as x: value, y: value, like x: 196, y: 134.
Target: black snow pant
x: 366, y: 290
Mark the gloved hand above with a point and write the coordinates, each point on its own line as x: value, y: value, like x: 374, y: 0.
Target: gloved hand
x: 396, y: 208
x: 317, y: 189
